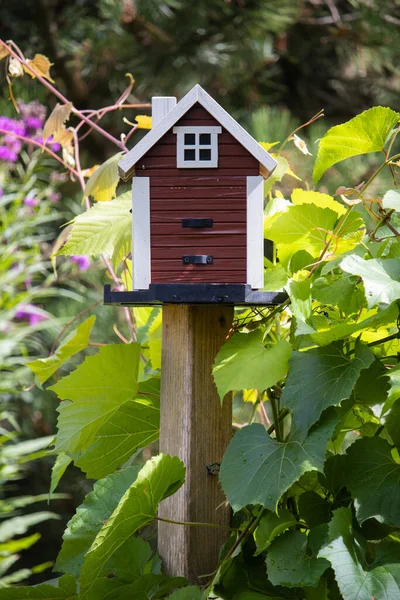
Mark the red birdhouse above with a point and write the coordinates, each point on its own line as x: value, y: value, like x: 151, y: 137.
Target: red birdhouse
x: 197, y: 207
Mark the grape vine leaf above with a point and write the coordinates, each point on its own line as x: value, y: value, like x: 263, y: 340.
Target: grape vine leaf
x: 97, y: 507
x: 58, y: 470
x: 355, y: 579
x: 381, y: 277
x: 134, y: 425
x: 271, y: 525
x: 103, y: 229
x: 394, y: 391
x: 129, y: 561
x: 65, y: 590
x: 291, y: 563
x: 257, y: 469
x: 103, y: 182
x: 300, y: 196
x: 365, y: 133
x: 373, y: 478
x: 392, y: 423
x: 74, y: 343
x: 159, y: 478
x: 275, y: 278
x: 107, y: 417
x: 244, y: 363
x: 95, y: 391
x: 341, y: 292
x: 323, y: 376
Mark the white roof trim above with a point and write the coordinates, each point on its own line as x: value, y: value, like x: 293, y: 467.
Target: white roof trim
x: 127, y: 164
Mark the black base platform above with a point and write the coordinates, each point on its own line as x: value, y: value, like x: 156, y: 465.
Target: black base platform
x: 194, y: 293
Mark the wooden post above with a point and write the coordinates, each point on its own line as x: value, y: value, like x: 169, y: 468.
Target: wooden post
x: 196, y: 428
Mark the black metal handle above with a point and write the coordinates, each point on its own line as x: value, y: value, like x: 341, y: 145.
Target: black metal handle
x: 197, y: 222
x: 198, y: 259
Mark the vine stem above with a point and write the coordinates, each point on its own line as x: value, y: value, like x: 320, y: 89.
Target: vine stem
x: 71, y: 323
x: 276, y: 419
x: 61, y: 97
x: 196, y: 524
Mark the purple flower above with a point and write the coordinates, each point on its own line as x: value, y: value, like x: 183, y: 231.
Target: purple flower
x: 12, y: 125
x: 8, y: 154
x: 13, y: 143
x: 83, y: 262
x: 34, y: 123
x: 54, y: 197
x: 30, y: 313
x: 29, y: 201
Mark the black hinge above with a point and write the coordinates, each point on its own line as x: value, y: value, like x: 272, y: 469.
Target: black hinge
x: 197, y: 222
x: 198, y: 259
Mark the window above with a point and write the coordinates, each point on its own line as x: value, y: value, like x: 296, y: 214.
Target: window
x: 197, y: 147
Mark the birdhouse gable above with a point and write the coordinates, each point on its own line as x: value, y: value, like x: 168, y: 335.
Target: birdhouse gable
x: 197, y: 148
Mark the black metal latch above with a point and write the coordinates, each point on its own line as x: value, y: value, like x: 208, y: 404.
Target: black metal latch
x: 198, y: 259
x: 197, y: 222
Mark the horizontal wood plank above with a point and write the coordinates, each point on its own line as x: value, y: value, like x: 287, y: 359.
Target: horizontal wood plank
x: 200, y: 178
x: 171, y: 252
x: 187, y: 194
x: 166, y: 229
x: 176, y: 216
x: 224, y: 150
x: 219, y: 264
x: 198, y: 277
x: 205, y: 241
x: 224, y: 162
x: 195, y: 173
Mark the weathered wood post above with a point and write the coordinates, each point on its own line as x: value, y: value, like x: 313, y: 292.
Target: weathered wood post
x: 196, y: 428
x: 197, y: 208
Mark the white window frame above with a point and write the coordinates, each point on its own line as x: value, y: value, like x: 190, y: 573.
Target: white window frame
x: 181, y: 163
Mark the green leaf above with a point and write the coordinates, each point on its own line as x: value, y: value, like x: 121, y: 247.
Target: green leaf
x: 320, y: 378
x: 18, y: 545
x: 155, y: 340
x: 278, y: 173
x: 313, y: 508
x: 381, y: 277
x: 391, y: 200
x: 20, y: 525
x: 291, y: 563
x: 373, y: 478
x: 300, y: 196
x: 341, y: 292
x: 134, y: 425
x: 271, y: 525
x: 58, y: 470
x: 74, y: 343
x: 103, y: 183
x: 300, y: 296
x: 129, y: 561
x: 363, y: 134
x: 257, y: 469
x: 356, y: 581
x: 66, y: 590
x: 159, y: 478
x: 394, y: 391
x: 96, y: 389
x: 103, y: 229
x: 244, y: 363
x: 302, y: 227
x: 275, y: 278
x: 90, y: 516
x: 392, y: 422
x: 188, y: 593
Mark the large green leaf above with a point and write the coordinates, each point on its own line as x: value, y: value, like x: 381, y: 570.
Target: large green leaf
x: 373, y: 478
x: 103, y: 229
x: 129, y: 561
x: 188, y: 593
x: 89, y: 518
x: 257, y: 469
x: 134, y: 425
x: 320, y: 378
x: 364, y: 133
x: 74, y: 343
x: 291, y: 563
x: 60, y: 466
x: 341, y: 292
x: 65, y: 590
x: 394, y: 391
x: 158, y: 479
x: 381, y: 277
x: 244, y: 363
x: 271, y: 525
x: 103, y: 182
x: 95, y: 390
x: 356, y: 579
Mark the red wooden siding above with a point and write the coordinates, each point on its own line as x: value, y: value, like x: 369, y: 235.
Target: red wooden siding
x: 218, y: 194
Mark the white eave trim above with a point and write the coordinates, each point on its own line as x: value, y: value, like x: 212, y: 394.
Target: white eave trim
x: 197, y: 94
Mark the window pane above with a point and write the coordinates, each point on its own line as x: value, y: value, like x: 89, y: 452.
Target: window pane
x: 205, y: 154
x: 190, y: 155
x: 205, y: 139
x: 190, y: 139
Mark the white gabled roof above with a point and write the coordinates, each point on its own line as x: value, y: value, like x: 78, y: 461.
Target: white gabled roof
x: 127, y: 164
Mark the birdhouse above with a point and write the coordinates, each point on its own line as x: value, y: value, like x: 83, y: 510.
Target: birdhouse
x: 197, y: 208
